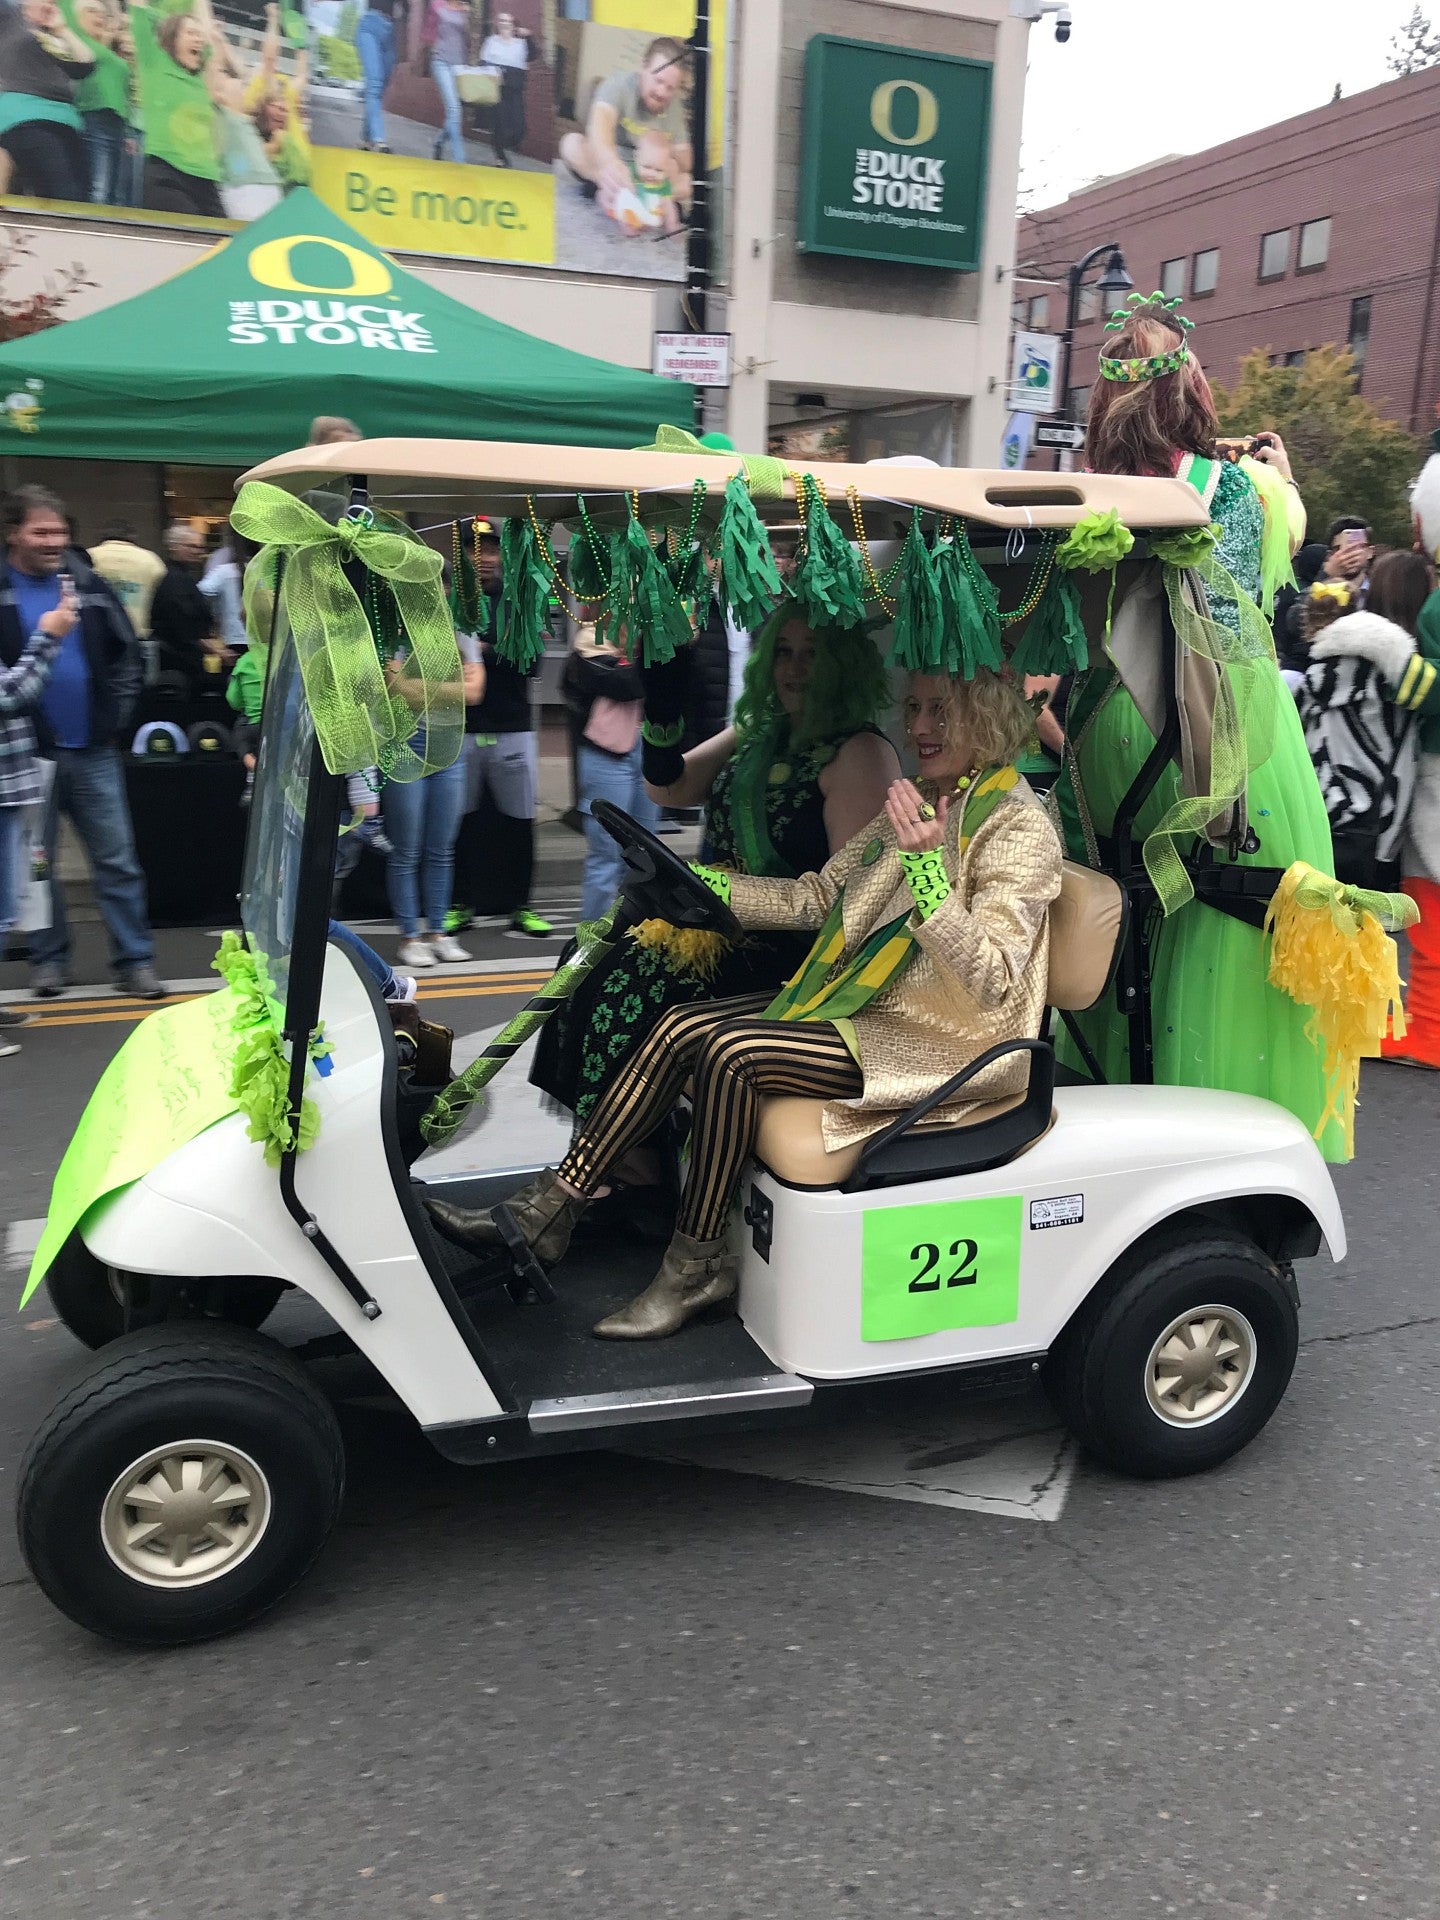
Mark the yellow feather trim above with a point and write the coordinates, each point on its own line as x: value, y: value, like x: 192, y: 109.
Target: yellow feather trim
x: 1329, y: 951
x: 685, y: 949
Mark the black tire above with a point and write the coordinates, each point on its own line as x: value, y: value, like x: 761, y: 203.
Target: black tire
x: 85, y: 1302
x: 159, y: 1388
x: 1096, y: 1372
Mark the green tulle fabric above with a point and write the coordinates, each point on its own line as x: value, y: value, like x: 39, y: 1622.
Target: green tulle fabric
x: 409, y: 724
x: 260, y: 1081
x: 1095, y: 544
x: 1242, y: 727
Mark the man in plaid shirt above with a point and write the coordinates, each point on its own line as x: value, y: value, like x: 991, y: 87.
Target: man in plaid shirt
x: 78, y: 715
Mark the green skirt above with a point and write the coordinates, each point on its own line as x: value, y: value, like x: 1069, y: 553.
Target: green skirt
x: 1217, y: 1022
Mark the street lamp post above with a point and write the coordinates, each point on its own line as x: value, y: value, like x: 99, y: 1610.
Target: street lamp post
x: 1113, y: 283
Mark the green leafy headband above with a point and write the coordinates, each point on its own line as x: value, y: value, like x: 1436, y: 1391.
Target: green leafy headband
x: 1128, y: 372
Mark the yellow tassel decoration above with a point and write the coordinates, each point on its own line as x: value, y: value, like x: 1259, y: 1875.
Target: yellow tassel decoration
x: 684, y: 949
x: 1330, y: 951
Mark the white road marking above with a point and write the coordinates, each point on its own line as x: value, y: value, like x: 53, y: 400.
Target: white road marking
x: 1012, y: 1460
x: 21, y: 1239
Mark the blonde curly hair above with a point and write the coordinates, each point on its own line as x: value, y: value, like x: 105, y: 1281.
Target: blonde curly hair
x: 989, y: 714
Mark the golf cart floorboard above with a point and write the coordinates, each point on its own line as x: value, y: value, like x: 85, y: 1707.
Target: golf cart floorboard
x: 545, y: 1350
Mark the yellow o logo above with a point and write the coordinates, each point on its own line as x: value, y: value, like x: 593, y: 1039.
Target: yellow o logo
x: 270, y: 265
x: 927, y: 113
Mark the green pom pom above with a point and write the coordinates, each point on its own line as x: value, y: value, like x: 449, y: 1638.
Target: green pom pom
x: 1096, y: 544
x: 1187, y: 548
x: 919, y: 615
x: 751, y: 579
x: 827, y: 580
x: 1054, y: 638
x: 525, y: 602
x: 971, y: 612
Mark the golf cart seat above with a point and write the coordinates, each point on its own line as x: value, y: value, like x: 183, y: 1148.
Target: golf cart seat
x: 1088, y: 921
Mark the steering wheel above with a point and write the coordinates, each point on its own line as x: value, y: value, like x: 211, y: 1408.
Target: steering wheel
x: 660, y: 886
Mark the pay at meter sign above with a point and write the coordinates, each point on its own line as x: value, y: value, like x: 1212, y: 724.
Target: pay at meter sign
x: 932, y: 1268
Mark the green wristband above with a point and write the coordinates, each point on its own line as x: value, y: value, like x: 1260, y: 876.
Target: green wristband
x: 926, y: 878
x: 718, y: 882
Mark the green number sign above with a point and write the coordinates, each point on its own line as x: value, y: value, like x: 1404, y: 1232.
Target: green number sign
x: 928, y: 1269
x: 894, y: 150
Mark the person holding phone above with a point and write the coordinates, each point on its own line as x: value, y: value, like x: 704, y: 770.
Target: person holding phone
x: 79, y: 715
x: 1350, y: 552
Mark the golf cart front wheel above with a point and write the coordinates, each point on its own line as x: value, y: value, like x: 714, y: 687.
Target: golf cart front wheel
x: 1180, y: 1360
x: 183, y: 1485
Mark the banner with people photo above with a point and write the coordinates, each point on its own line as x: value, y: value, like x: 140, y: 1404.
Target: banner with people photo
x: 540, y: 132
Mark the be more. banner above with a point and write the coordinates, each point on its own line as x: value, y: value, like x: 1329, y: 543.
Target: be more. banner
x: 895, y: 149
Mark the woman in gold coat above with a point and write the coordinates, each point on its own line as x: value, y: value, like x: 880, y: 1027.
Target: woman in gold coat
x: 931, y: 946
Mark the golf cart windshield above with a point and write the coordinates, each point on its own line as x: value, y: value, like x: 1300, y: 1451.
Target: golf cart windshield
x: 277, y: 821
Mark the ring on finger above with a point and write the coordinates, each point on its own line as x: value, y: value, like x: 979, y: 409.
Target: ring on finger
x: 927, y: 812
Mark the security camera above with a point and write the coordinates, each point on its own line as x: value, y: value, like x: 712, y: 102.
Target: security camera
x: 1033, y: 10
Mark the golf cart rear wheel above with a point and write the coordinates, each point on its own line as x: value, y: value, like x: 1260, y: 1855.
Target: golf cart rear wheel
x: 88, y: 1300
x: 1180, y: 1359
x: 183, y: 1485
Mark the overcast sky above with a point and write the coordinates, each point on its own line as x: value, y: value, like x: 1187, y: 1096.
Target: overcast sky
x: 1138, y: 80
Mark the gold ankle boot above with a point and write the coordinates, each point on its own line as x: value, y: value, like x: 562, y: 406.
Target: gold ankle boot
x: 544, y: 1212
x: 694, y: 1274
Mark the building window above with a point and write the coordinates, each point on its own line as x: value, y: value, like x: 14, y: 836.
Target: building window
x: 1295, y: 359
x: 1040, y: 311
x: 1077, y: 404
x: 1020, y: 311
x: 1314, y: 246
x: 1360, y: 333
x: 1275, y: 255
x: 1205, y: 273
x: 1172, y: 278
x: 1088, y: 307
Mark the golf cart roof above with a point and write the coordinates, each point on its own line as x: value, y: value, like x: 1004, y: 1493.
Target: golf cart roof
x: 460, y: 477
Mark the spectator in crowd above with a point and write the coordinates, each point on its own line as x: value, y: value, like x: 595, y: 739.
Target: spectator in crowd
x: 376, y: 44
x: 504, y: 762
x: 422, y: 821
x: 222, y: 584
x: 1345, y: 555
x: 82, y: 710
x: 604, y: 694
x: 332, y: 430
x: 132, y: 572
x: 21, y: 775
x: 182, y: 619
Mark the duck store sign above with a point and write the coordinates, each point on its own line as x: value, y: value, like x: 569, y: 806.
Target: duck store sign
x: 893, y: 154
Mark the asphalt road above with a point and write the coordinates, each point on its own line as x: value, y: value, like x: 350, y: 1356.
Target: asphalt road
x: 613, y: 1686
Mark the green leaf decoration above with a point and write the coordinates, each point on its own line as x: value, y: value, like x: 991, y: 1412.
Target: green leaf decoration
x: 919, y: 615
x: 751, y: 579
x: 525, y: 596
x: 827, y: 580
x: 1096, y: 544
x: 1187, y: 548
x: 970, y: 611
x: 1054, y: 638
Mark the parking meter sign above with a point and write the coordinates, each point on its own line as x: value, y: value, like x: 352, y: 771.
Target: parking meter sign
x: 932, y: 1268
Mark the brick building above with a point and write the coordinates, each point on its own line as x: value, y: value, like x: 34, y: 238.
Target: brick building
x: 1325, y: 228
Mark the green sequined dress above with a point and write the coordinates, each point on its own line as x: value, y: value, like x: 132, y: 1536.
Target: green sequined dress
x: 1217, y: 1022
x: 617, y: 1005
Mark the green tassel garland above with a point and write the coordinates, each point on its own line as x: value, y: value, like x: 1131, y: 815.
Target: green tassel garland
x: 586, y: 568
x: 751, y: 579
x: 971, y: 618
x: 646, y: 618
x: 525, y: 603
x: 920, y: 637
x: 827, y: 580
x: 1054, y: 637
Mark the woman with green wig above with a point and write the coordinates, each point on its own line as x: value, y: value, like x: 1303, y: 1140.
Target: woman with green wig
x: 802, y: 769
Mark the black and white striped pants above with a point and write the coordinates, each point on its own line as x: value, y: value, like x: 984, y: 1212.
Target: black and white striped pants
x: 735, y: 1057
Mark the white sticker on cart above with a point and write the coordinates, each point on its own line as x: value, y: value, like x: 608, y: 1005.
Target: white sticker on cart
x: 1063, y: 1210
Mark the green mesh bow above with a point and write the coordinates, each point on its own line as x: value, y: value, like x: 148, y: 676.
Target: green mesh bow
x: 406, y: 716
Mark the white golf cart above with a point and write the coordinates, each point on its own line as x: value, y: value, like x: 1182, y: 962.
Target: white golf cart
x: 1133, y: 1243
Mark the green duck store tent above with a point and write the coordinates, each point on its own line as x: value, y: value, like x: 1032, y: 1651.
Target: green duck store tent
x: 228, y: 362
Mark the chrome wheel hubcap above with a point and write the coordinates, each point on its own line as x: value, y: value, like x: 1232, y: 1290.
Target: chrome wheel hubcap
x: 186, y: 1513
x: 1200, y: 1366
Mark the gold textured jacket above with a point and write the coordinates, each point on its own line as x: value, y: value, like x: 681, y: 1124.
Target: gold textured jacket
x: 977, y: 977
